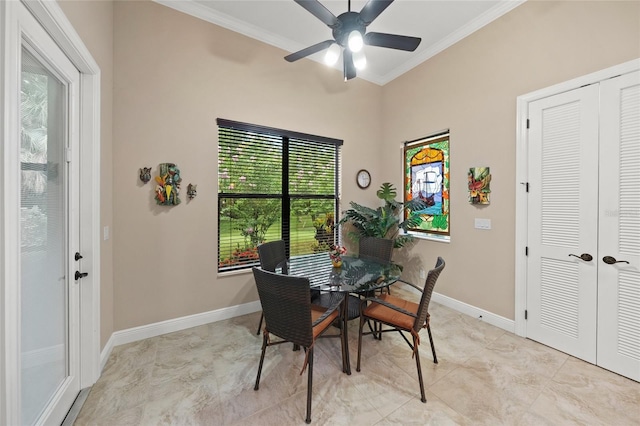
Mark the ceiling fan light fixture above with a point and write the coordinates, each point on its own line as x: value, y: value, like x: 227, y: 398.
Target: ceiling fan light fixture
x: 332, y: 55
x: 349, y: 30
x: 355, y: 41
x: 359, y: 60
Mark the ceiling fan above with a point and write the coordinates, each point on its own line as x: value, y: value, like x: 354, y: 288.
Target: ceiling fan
x: 349, y: 33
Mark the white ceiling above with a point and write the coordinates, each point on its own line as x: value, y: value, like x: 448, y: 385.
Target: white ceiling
x: 287, y: 25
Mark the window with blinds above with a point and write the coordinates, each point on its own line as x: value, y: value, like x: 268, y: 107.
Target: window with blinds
x: 274, y: 184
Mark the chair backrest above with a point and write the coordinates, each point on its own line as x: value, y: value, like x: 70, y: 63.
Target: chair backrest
x: 272, y: 254
x: 430, y: 283
x: 286, y: 305
x: 380, y: 249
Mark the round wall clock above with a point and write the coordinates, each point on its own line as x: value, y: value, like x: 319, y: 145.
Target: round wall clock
x: 363, y: 178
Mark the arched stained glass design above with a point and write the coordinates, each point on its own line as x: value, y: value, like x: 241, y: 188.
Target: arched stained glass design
x: 426, y: 177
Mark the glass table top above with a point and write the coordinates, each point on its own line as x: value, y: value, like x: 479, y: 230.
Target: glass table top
x: 354, y: 276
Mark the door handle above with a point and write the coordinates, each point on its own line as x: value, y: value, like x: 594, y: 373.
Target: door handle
x: 80, y: 275
x: 610, y: 260
x: 584, y: 256
x: 78, y: 256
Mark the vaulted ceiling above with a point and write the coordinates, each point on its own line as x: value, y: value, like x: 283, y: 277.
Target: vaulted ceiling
x: 287, y: 25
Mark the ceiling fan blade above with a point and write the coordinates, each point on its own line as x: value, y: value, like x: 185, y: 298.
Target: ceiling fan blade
x: 392, y: 41
x: 319, y: 11
x: 349, y: 68
x: 372, y: 9
x: 309, y: 50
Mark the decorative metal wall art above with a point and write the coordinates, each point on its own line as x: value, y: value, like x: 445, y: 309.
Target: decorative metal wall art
x: 145, y: 174
x: 192, y: 191
x: 479, y: 180
x: 168, y: 187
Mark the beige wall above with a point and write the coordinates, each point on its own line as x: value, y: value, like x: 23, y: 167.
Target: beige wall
x: 93, y: 21
x: 471, y: 88
x: 173, y: 76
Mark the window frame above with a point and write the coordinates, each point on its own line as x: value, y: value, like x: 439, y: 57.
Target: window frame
x: 425, y: 229
x: 285, y: 195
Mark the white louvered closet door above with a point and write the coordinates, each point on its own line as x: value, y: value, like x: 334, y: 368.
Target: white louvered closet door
x: 563, y: 221
x: 619, y: 227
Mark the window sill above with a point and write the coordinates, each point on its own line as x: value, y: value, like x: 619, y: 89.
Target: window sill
x: 431, y: 237
x: 234, y: 273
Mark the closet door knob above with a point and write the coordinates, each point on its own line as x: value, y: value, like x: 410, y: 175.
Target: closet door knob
x: 610, y: 260
x: 584, y: 256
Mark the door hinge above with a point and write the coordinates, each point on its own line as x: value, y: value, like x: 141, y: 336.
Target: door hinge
x: 527, y: 186
x: 525, y: 314
x: 67, y: 155
x: 528, y: 123
x: 526, y: 251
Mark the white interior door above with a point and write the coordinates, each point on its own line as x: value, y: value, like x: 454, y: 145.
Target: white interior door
x: 619, y: 231
x: 563, y: 221
x: 49, y: 232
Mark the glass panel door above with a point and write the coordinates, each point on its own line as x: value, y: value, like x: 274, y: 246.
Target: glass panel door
x: 44, y: 247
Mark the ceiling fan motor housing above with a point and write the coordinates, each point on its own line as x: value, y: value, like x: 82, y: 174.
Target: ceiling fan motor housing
x: 347, y: 22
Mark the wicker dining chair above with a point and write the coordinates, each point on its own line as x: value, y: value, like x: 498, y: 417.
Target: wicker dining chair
x: 289, y: 315
x: 380, y: 249
x: 403, y: 316
x: 271, y: 255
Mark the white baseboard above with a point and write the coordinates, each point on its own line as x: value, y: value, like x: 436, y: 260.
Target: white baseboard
x: 152, y: 330
x: 104, y: 355
x: 472, y: 311
x: 169, y: 326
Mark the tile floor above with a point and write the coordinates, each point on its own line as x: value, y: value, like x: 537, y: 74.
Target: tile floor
x: 485, y: 376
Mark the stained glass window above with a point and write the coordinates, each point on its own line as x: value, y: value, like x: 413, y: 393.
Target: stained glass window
x: 426, y: 176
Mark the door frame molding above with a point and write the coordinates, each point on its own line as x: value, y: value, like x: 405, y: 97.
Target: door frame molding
x: 54, y: 21
x: 522, y: 175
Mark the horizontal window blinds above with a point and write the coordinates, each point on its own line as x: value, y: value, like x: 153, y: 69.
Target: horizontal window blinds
x: 274, y: 184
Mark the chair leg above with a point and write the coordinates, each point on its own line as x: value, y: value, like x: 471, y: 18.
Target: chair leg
x: 264, y: 349
x: 373, y: 329
x: 417, y: 355
x: 260, y: 324
x: 309, y: 385
x: 433, y: 348
x: 360, y: 341
x: 343, y: 346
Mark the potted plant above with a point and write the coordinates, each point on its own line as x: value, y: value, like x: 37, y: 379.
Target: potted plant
x: 384, y: 221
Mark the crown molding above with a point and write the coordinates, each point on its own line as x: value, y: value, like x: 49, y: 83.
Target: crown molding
x: 448, y: 41
x: 223, y: 20
x: 202, y: 12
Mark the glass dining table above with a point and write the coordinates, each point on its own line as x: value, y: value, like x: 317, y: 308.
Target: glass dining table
x: 357, y: 276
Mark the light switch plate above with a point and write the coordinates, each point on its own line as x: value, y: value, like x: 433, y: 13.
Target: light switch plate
x: 482, y: 223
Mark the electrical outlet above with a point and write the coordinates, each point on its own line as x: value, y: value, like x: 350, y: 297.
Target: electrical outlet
x: 422, y: 274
